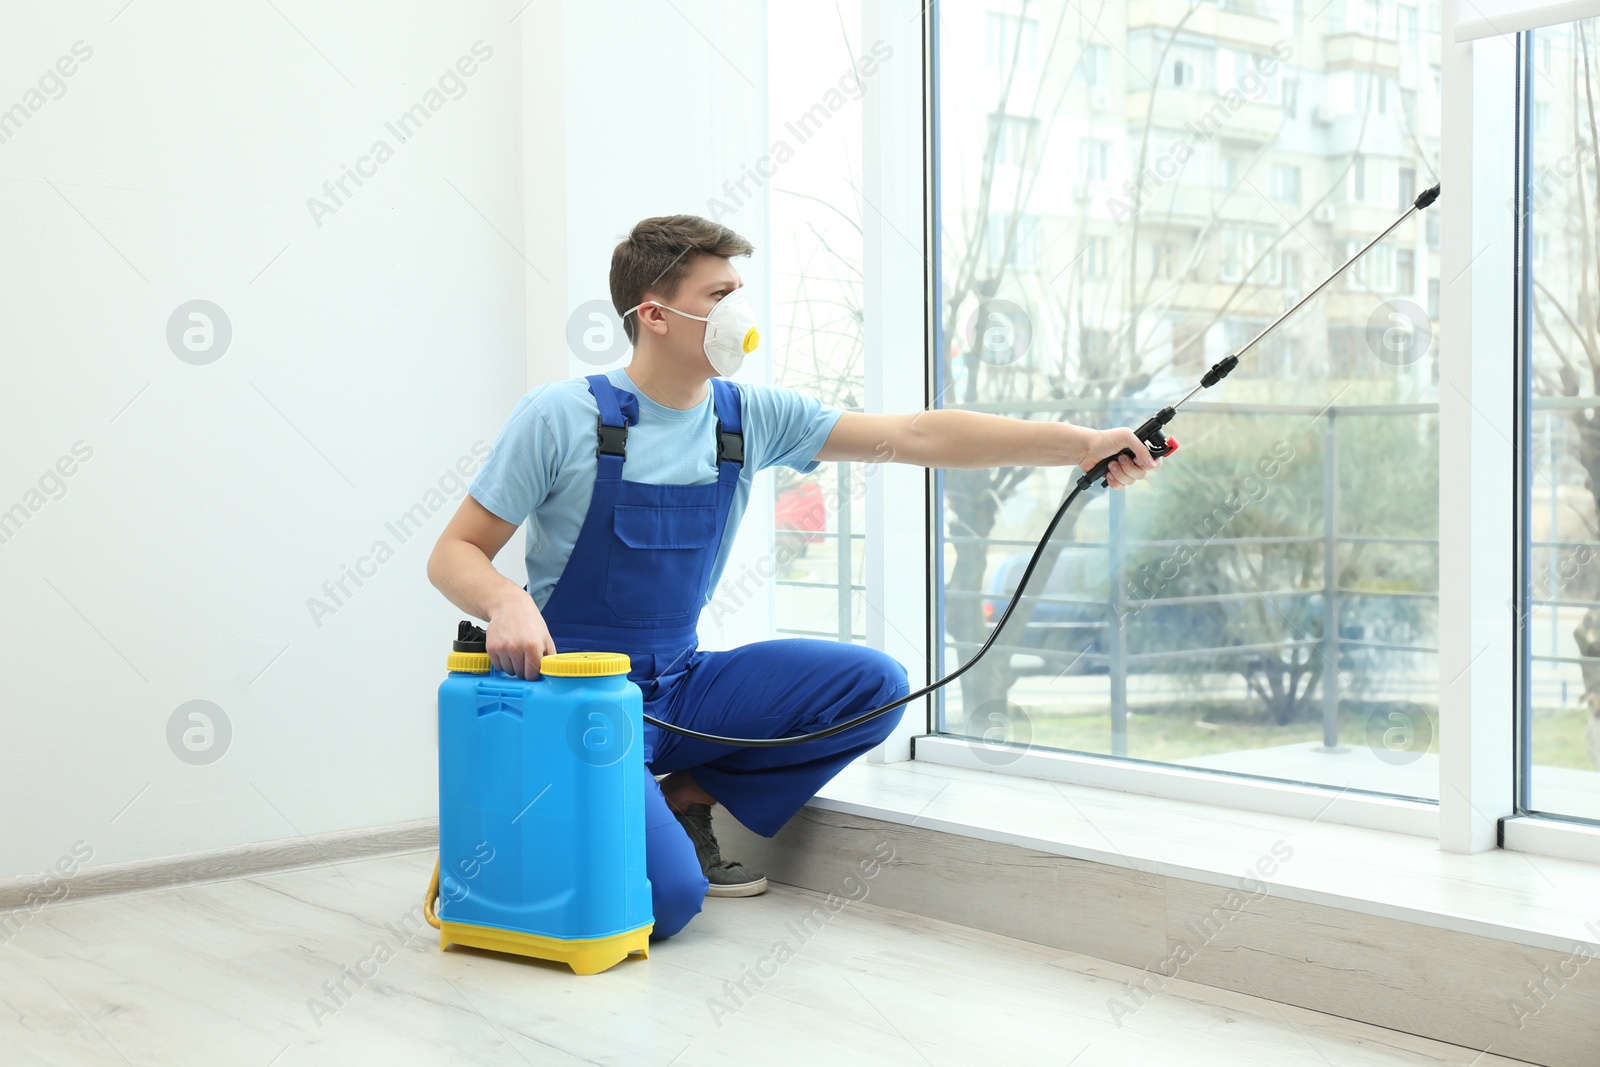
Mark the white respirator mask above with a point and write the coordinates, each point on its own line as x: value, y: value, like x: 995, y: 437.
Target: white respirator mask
x: 731, y: 332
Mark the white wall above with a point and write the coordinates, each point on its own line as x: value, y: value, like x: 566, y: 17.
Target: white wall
x: 633, y: 110
x: 369, y: 355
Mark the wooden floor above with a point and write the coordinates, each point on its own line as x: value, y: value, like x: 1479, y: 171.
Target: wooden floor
x: 248, y: 972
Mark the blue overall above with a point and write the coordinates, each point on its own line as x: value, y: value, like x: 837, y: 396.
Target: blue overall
x: 635, y: 583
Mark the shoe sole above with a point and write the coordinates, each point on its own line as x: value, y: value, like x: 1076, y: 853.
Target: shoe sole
x: 748, y: 889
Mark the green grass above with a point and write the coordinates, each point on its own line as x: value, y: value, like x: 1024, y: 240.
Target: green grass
x: 1165, y: 737
x: 1185, y: 730
x: 1560, y: 738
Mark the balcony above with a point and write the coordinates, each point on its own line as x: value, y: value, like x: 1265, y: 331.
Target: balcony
x: 1347, y: 49
x: 1255, y: 29
x: 1203, y: 115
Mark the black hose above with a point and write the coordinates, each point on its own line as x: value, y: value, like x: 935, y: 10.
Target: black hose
x: 1154, y: 439
x: 840, y: 727
x: 472, y: 638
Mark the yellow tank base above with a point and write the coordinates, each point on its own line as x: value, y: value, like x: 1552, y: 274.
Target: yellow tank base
x: 584, y: 955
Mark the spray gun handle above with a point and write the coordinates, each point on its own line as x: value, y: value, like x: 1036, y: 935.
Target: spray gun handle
x: 1155, y: 439
x: 1158, y: 443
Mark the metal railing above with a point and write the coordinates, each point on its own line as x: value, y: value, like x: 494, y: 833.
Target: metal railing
x: 845, y: 585
x: 1330, y: 645
x: 1118, y: 660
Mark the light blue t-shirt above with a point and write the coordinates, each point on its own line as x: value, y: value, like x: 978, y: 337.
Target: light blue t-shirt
x: 542, y: 467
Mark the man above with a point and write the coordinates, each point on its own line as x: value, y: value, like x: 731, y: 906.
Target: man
x: 633, y: 483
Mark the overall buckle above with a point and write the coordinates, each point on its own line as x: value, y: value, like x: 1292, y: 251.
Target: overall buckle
x: 613, y: 441
x: 730, y: 447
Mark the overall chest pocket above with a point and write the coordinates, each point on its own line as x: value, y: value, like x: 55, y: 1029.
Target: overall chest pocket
x: 660, y: 560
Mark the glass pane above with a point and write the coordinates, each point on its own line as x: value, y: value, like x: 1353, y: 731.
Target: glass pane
x: 1562, y: 608
x: 1266, y: 604
x: 816, y: 344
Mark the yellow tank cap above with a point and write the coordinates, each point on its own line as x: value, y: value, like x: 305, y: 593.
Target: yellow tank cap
x: 584, y: 664
x: 468, y: 662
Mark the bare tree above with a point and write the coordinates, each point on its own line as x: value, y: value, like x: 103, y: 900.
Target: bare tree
x: 1569, y: 329
x: 1077, y: 372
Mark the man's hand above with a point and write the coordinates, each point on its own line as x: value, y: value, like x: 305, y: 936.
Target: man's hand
x: 1124, y: 470
x: 462, y: 568
x: 518, y: 637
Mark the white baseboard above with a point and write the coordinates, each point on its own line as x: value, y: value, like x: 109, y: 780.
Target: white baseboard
x: 238, y: 861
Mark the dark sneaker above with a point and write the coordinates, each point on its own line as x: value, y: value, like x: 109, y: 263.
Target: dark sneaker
x: 728, y: 878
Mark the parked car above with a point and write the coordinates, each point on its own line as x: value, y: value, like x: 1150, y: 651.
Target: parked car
x: 799, y: 515
x: 1060, y: 629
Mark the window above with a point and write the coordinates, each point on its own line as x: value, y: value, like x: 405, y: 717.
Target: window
x: 1373, y: 271
x: 1368, y: 15
x: 1558, y: 606
x: 1380, y: 265
x: 1373, y: 93
x: 1094, y: 67
x: 1011, y: 40
x: 1267, y: 68
x: 1227, y: 171
x: 1115, y: 336
x: 1408, y: 187
x: 1254, y: 76
x: 1094, y: 353
x: 1233, y: 254
x: 815, y: 586
x: 1017, y: 139
x: 1012, y: 240
x: 1188, y: 65
x: 1188, y: 345
x: 1264, y: 263
x: 1097, y: 257
x: 1286, y: 183
x: 1250, y: 254
x: 1358, y: 179
x: 1405, y: 271
x: 1094, y: 160
x: 1163, y: 256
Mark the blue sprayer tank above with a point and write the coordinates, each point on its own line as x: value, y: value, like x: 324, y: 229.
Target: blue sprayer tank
x: 541, y: 809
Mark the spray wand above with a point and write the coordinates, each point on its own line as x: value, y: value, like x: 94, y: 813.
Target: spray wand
x: 1152, y: 432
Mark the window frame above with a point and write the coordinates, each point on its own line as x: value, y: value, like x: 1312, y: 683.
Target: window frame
x: 1477, y: 397
x: 1527, y: 828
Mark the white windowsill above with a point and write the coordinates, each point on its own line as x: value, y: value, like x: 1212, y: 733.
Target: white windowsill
x: 1538, y: 901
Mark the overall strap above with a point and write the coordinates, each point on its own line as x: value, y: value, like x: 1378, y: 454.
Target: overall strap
x: 730, y: 433
x: 730, y: 447
x: 612, y: 430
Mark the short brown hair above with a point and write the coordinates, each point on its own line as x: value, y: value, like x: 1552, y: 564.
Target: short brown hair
x: 657, y: 256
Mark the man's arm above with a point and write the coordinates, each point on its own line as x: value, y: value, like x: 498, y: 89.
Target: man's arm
x: 462, y: 568
x: 952, y: 438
